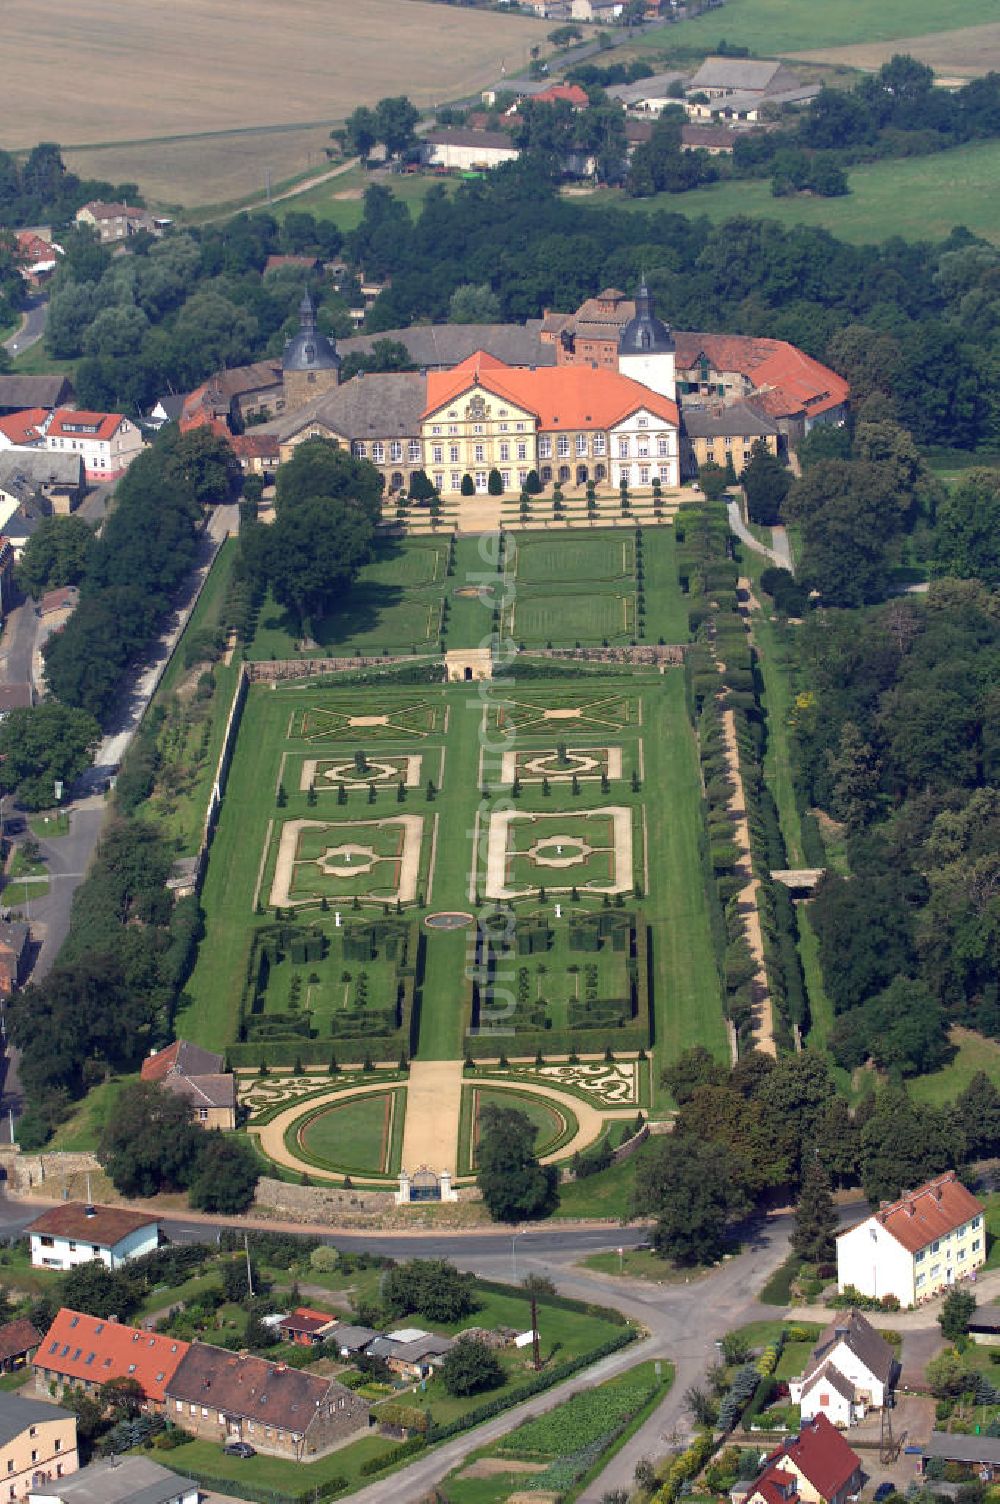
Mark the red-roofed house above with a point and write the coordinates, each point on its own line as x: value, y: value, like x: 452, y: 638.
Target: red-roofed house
x: 916, y: 1246
x: 23, y: 430
x: 86, y: 1351
x: 307, y: 1327
x: 37, y: 257
x: 571, y: 93
x: 816, y: 1466
x: 106, y: 442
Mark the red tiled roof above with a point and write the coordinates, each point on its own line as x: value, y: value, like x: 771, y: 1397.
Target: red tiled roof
x: 562, y: 397
x: 189, y: 1058
x: 32, y: 247
x: 931, y: 1211
x: 787, y: 380
x: 23, y: 427
x: 820, y: 1454
x: 104, y: 1225
x: 572, y: 93
x: 86, y: 1349
x: 252, y: 446
x: 67, y: 422
x: 775, y: 1487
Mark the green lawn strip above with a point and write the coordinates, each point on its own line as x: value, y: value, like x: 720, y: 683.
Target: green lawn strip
x: 666, y: 608
x: 17, y: 895
x: 769, y: 27
x: 82, y: 1129
x: 470, y: 616
x: 918, y: 198
x: 21, y: 867
x: 635, y: 1263
x: 10, y: 1383
x: 355, y: 1135
x: 18, y: 1275
x: 36, y: 361
x: 687, y: 1001
x: 821, y: 1012
x: 49, y: 826
x: 777, y: 1290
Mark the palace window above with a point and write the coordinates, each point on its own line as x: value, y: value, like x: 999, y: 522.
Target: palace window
x: 413, y: 451
x: 518, y: 427
x: 453, y: 428
x: 437, y: 454
x: 438, y: 481
x: 360, y: 450
x: 505, y: 477
x: 480, y: 455
x: 623, y: 449
x: 481, y: 480
x: 503, y: 427
x: 643, y: 447
x: 663, y: 445
x: 600, y: 445
x: 436, y: 428
x: 454, y: 454
x: 522, y: 451
x: 581, y: 445
x: 477, y: 428
x: 456, y: 480
x: 378, y: 452
x: 522, y: 476
x: 396, y: 450
x: 644, y: 475
x: 643, y: 422
x: 504, y: 450
x: 562, y: 445
x: 545, y: 448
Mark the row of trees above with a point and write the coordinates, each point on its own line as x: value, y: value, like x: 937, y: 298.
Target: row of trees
x: 38, y: 189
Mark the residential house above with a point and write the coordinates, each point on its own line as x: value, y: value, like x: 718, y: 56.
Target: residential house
x: 23, y: 430
x: 351, y: 1340
x: 411, y: 1352
x: 851, y: 1371
x: 716, y: 140
x: 978, y: 1456
x: 18, y: 1340
x: 37, y: 257
x: 116, y: 222
x: 457, y: 148
x: 106, y: 442
x: 29, y: 474
x: 648, y: 96
x: 37, y: 1444
x: 118, y: 1480
x: 304, y: 265
x: 77, y: 1233
x: 916, y: 1246
x: 81, y: 1351
x: 719, y: 76
x: 603, y: 11
x: 517, y: 88
x: 223, y: 1396
x: 15, y: 939
x: 816, y: 1466
x: 570, y: 94
x: 717, y: 434
x: 306, y: 1327
x: 167, y: 409
x: 200, y: 1077
x: 18, y: 394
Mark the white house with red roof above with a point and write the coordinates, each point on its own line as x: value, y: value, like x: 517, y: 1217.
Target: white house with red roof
x: 815, y: 1466
x: 916, y: 1246
x: 107, y: 443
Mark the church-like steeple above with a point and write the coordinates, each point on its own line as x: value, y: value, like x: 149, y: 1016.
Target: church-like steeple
x: 646, y: 347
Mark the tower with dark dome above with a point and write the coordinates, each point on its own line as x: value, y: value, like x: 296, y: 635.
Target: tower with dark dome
x: 646, y: 348
x: 310, y: 364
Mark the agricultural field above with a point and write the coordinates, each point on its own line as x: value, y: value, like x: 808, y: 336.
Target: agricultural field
x: 773, y: 27
x: 197, y: 70
x: 919, y: 198
x: 964, y: 53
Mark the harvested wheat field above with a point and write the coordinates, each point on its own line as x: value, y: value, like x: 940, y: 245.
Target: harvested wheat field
x: 966, y: 53
x: 113, y: 71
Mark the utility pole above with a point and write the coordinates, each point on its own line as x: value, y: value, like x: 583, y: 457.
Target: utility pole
x: 535, y: 1353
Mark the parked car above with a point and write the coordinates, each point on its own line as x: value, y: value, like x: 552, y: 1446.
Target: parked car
x: 884, y: 1491
x: 239, y: 1449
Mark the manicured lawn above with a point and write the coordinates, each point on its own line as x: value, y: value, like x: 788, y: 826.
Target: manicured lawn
x: 18, y: 895
x: 358, y: 1135
x: 920, y: 198
x: 974, y: 1053
x: 341, y: 200
x: 634, y: 1263
x: 48, y: 826
x: 769, y: 27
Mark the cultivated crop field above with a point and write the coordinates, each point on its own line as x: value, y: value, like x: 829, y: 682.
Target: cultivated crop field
x: 116, y: 72
x: 965, y: 53
x: 769, y: 27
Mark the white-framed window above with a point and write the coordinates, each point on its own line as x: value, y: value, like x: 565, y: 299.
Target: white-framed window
x: 378, y: 452
x: 920, y: 1255
x: 644, y: 475
x: 545, y: 448
x: 976, y: 1222
x: 504, y: 450
x: 395, y: 450
x: 961, y: 1253
x: 413, y: 451
x: 478, y: 428
x: 436, y: 429
x: 454, y: 454
x: 581, y: 445
x: 600, y: 443
x: 480, y: 454
x: 481, y: 480
x: 920, y: 1280
x: 522, y: 451
x: 663, y: 446
x: 522, y: 476
x: 562, y: 446
x: 456, y: 480
x: 643, y: 447
x: 360, y: 449
x: 438, y: 479
x: 437, y: 454
x: 505, y: 477
x: 643, y: 422
x: 623, y: 450
x: 975, y: 1244
x: 504, y: 427
x: 453, y: 428
x: 518, y: 427
x: 503, y: 412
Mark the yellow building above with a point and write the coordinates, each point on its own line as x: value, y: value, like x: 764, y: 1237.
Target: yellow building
x: 722, y: 433
x: 37, y: 1444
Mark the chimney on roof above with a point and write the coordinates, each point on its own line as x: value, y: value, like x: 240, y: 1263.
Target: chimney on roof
x: 937, y: 1193
x: 911, y: 1208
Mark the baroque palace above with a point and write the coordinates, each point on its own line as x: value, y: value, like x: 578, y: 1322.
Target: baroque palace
x: 609, y: 394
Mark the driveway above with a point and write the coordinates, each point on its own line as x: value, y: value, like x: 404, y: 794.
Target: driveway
x: 33, y: 318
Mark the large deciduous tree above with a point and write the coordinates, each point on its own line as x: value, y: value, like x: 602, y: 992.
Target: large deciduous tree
x: 514, y: 1185
x: 149, y: 1143
x: 57, y: 553
x: 694, y: 1191
x: 765, y: 483
x: 40, y: 744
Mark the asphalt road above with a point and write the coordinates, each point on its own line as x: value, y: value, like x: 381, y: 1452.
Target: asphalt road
x: 32, y: 328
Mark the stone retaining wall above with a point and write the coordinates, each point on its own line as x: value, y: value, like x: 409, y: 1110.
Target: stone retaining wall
x: 52, y: 1173
x: 271, y: 671
x: 320, y: 1203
